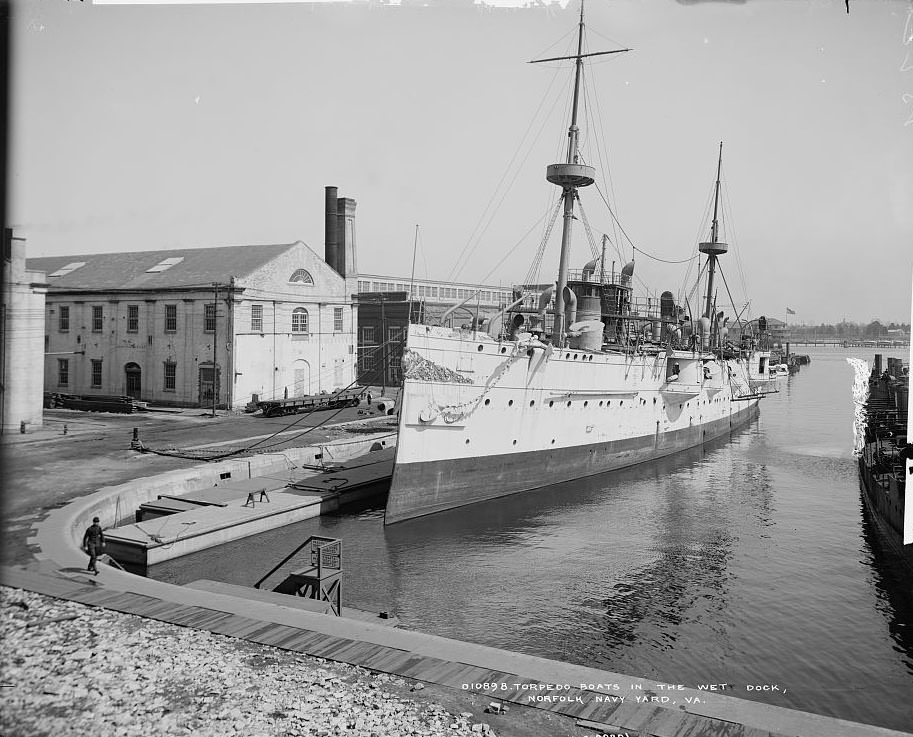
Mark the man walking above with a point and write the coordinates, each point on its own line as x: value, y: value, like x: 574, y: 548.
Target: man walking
x: 92, y: 543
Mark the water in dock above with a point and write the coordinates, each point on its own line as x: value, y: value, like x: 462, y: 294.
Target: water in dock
x: 750, y: 563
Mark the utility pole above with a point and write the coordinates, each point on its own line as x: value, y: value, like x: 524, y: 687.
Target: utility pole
x: 215, y: 332
x: 383, y: 346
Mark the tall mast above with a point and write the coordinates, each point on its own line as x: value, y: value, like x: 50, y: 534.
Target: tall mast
x: 713, y: 247
x: 570, y: 176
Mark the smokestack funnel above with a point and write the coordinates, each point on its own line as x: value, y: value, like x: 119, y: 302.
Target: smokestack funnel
x: 331, y: 255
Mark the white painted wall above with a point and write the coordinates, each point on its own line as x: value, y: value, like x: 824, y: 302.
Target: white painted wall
x: 23, y: 335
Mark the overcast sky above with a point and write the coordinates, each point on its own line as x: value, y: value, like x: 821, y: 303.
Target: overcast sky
x: 178, y: 126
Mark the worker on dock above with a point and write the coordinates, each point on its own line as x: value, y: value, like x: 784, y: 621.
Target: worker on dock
x: 92, y: 543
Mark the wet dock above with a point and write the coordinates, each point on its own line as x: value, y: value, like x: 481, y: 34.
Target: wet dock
x: 506, y: 677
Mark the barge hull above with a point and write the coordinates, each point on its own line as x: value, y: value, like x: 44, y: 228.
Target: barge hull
x: 424, y: 488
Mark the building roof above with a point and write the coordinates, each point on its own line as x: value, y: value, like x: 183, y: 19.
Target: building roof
x: 141, y: 270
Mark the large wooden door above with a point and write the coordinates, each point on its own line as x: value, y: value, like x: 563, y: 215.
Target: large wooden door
x: 134, y: 380
x: 208, y: 386
x: 302, y: 374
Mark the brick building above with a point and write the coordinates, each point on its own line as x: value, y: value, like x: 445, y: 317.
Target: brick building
x: 388, y: 303
x: 187, y: 326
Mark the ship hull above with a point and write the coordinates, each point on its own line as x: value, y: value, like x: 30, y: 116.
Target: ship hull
x: 481, y: 419
x: 427, y: 487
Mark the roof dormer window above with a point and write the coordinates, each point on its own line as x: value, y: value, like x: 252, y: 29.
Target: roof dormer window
x: 165, y: 265
x: 64, y: 270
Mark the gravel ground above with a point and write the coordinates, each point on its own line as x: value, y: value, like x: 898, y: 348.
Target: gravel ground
x: 70, y: 669
x: 106, y: 673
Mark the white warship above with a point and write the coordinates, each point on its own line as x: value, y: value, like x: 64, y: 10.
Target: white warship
x: 589, y: 380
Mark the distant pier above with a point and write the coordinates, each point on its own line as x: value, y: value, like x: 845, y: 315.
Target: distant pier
x: 852, y: 343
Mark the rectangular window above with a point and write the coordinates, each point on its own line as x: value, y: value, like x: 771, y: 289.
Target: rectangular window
x: 300, y: 320
x: 209, y: 317
x: 171, y: 370
x: 98, y: 318
x: 63, y: 372
x: 171, y: 318
x: 96, y: 373
x: 256, y: 318
x: 337, y: 319
x: 47, y: 343
x: 364, y: 286
x: 394, y: 352
x: 367, y: 362
x: 132, y: 318
x: 63, y: 319
x: 366, y: 334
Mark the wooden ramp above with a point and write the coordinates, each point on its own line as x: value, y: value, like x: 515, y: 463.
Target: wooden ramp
x: 642, y: 719
x: 366, y: 470
x: 287, y: 600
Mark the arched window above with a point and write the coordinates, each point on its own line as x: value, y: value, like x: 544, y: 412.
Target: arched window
x: 299, y: 320
x: 301, y: 276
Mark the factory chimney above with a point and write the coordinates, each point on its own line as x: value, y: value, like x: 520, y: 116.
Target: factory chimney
x: 331, y: 250
x: 345, y: 237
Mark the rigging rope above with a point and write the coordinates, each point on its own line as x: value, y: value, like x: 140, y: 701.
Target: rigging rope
x: 594, y: 249
x: 482, y: 224
x: 532, y: 274
x: 657, y: 258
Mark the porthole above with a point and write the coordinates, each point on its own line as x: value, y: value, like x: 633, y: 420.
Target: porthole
x: 487, y: 402
x: 654, y: 400
x: 480, y: 348
x: 569, y: 404
x: 609, y: 403
x: 551, y: 404
x: 600, y: 402
x: 515, y: 442
x: 510, y: 403
x: 621, y: 402
x: 575, y: 356
x: 553, y: 441
x: 532, y: 402
x: 567, y: 355
x: 467, y: 441
x: 585, y: 403
x: 503, y: 349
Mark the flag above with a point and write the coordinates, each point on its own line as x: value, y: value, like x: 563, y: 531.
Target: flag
x: 790, y: 312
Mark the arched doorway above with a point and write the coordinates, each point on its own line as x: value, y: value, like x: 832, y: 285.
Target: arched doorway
x: 134, y: 376
x: 301, y: 372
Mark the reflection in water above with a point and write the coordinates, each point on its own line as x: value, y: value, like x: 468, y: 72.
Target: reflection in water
x: 893, y: 582
x: 745, y: 562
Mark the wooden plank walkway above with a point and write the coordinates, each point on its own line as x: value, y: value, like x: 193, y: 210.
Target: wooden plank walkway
x: 642, y: 719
